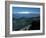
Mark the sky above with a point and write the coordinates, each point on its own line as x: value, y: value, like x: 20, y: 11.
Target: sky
x: 25, y: 11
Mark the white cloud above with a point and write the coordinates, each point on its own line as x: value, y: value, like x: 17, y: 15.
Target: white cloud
x: 23, y: 12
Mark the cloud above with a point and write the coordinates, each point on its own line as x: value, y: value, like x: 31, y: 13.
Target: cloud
x: 23, y: 12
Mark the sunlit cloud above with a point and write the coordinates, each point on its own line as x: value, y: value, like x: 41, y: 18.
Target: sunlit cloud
x: 23, y: 12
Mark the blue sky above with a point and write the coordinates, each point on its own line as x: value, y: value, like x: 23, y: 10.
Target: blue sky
x: 25, y: 10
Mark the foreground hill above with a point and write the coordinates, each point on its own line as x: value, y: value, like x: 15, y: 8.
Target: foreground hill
x: 26, y: 23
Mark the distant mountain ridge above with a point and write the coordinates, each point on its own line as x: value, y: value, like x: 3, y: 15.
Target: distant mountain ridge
x: 25, y: 15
